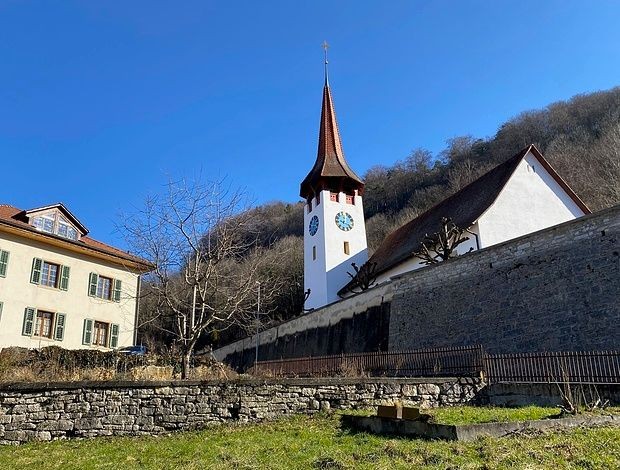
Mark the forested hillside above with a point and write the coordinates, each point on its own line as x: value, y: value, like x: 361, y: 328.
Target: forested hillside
x: 580, y: 137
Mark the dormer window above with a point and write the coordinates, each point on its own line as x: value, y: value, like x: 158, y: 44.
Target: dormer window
x: 44, y: 223
x: 54, y: 222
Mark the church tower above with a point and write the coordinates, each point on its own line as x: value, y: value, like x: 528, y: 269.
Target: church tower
x: 334, y: 233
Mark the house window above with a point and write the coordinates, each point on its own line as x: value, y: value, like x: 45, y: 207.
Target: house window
x: 45, y: 223
x: 100, y: 333
x: 50, y: 274
x: 346, y: 248
x: 333, y: 197
x: 55, y: 223
x: 104, y: 287
x: 4, y: 262
x: 313, y: 253
x: 44, y: 324
x: 349, y: 199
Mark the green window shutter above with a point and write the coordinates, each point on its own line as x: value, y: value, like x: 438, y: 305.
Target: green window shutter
x: 114, y: 335
x: 117, y: 290
x: 64, y: 277
x: 87, y: 337
x: 92, y: 284
x: 4, y: 261
x: 28, y: 327
x: 59, y: 328
x: 35, y: 275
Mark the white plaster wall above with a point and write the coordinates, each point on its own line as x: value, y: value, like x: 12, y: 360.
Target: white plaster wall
x: 530, y: 201
x: 414, y: 262
x: 17, y: 293
x: 326, y: 275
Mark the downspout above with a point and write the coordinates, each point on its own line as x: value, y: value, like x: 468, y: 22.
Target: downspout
x: 135, y: 321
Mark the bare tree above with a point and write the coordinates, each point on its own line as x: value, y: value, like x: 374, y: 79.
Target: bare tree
x: 442, y: 245
x: 204, y: 278
x: 364, y: 277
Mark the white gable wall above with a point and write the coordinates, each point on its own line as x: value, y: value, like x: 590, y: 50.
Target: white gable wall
x: 530, y: 201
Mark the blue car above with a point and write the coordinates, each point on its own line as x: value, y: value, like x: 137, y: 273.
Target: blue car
x: 133, y: 350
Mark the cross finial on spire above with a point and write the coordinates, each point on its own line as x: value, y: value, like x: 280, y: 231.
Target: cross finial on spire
x: 325, y: 47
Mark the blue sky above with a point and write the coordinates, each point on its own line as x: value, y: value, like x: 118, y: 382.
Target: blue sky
x: 101, y: 102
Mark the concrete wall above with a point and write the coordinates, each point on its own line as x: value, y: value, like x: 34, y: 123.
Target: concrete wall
x: 17, y: 293
x: 353, y: 325
x: 88, y: 409
x: 541, y: 394
x: 557, y: 289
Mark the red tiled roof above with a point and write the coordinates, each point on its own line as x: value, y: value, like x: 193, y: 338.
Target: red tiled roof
x: 15, y: 217
x: 330, y: 165
x: 463, y: 207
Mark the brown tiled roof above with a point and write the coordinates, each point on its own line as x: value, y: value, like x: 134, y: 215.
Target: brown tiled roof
x: 13, y: 216
x: 463, y: 207
x: 331, y: 165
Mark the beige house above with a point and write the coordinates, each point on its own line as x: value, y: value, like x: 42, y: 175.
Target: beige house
x: 59, y: 287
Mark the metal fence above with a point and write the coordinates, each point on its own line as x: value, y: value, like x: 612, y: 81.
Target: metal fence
x: 597, y: 367
x: 458, y: 361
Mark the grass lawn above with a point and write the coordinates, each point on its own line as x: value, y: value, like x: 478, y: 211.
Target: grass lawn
x: 318, y: 442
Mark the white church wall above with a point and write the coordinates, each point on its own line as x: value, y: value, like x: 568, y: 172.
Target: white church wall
x: 530, y: 201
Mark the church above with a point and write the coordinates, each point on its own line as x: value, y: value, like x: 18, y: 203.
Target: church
x: 534, y: 273
x: 520, y: 196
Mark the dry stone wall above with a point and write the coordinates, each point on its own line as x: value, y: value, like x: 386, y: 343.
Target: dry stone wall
x: 90, y: 409
x: 553, y: 290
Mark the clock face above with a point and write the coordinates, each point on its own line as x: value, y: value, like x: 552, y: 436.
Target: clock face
x: 314, y: 225
x: 344, y: 221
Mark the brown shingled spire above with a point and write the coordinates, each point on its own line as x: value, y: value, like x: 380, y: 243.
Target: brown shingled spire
x: 330, y: 171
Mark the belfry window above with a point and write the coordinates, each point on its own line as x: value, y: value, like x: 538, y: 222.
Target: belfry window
x: 318, y: 198
x: 349, y: 199
x: 333, y: 197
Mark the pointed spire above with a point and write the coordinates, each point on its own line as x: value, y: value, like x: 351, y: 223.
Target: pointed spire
x: 331, y: 170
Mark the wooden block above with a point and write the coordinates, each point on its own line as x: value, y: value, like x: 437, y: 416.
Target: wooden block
x: 410, y: 413
x: 389, y: 411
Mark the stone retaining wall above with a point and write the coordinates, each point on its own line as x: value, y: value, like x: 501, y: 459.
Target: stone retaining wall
x: 88, y: 409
